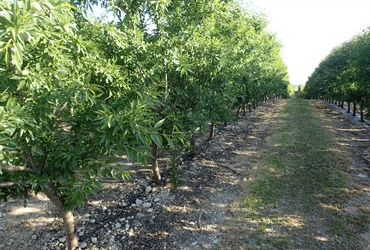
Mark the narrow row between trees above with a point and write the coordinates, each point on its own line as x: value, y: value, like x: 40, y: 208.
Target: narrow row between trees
x: 296, y: 195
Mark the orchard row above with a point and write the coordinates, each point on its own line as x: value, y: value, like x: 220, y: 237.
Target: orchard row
x: 344, y: 75
x: 76, y: 92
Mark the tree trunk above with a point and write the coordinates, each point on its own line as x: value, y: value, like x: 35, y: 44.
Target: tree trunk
x: 237, y: 113
x: 244, y: 109
x: 192, y: 145
x: 349, y: 107
x: 354, y: 108
x: 211, y: 130
x: 67, y: 216
x: 155, y: 168
x: 342, y: 105
x: 250, y: 108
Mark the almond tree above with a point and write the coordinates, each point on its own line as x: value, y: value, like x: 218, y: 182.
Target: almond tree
x: 65, y: 106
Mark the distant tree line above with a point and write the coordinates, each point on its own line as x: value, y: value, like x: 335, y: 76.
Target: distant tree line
x: 343, y: 77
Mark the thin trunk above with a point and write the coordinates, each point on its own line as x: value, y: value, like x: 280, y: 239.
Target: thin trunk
x: 67, y: 216
x: 250, y: 108
x: 244, y: 109
x: 192, y: 145
x: 342, y: 105
x: 254, y: 105
x: 155, y: 168
x: 238, y: 113
x: 349, y: 107
x: 211, y: 131
x: 354, y: 108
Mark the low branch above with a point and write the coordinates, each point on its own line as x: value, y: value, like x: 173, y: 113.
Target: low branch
x: 6, y: 184
x: 11, y: 168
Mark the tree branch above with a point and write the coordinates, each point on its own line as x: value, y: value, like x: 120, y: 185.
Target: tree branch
x: 11, y: 168
x: 6, y: 184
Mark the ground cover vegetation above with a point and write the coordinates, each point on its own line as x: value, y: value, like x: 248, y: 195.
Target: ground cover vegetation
x: 343, y: 76
x: 76, y: 92
x: 296, y: 195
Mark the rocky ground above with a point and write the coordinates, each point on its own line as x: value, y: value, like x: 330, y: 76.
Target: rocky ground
x: 138, y: 214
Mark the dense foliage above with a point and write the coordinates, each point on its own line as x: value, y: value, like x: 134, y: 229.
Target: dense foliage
x: 76, y: 92
x: 344, y: 75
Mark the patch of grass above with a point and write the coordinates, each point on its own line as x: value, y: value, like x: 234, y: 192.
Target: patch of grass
x: 298, y: 177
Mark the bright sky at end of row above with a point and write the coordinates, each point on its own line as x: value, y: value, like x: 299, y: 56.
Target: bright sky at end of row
x: 310, y: 29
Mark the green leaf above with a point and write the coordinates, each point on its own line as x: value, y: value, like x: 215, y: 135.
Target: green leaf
x: 170, y: 143
x: 159, y: 123
x: 157, y: 140
x: 87, y: 78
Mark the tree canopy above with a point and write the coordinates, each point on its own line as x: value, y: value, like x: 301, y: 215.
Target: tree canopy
x: 344, y: 75
x: 76, y: 92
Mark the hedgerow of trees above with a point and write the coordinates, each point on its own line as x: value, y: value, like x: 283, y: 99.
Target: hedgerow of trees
x: 76, y: 92
x: 344, y: 75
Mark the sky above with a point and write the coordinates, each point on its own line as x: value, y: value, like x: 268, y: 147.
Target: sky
x: 310, y: 29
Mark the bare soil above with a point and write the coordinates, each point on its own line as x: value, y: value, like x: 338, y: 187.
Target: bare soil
x: 137, y: 214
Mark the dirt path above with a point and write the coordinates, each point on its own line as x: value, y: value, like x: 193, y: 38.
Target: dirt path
x: 352, y: 142
x: 203, y: 212
x: 291, y: 209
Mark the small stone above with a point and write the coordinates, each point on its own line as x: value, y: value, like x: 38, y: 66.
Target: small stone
x: 34, y: 237
x: 83, y: 245
x: 92, y: 220
x: 138, y: 202
x: 150, y: 210
x: 104, y: 208
x: 147, y: 204
x: 117, y: 225
x: 124, y: 204
x: 133, y: 205
x: 81, y: 233
x: 156, y: 199
x: 62, y: 240
x: 127, y: 226
x: 94, y: 240
x: 148, y: 189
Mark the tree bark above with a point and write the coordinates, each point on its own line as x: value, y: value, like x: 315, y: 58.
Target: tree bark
x: 67, y: 216
x: 349, y: 107
x: 192, y: 145
x: 354, y: 108
x: 155, y: 168
x: 211, y: 130
x: 362, y: 111
x: 237, y: 113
